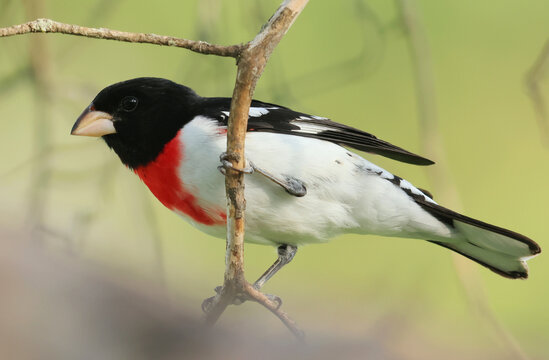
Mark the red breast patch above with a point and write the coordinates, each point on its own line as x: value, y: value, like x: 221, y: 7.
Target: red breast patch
x: 162, y: 179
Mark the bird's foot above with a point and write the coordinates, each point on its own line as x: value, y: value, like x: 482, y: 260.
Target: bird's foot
x: 226, y: 165
x: 274, y: 299
x: 206, y: 304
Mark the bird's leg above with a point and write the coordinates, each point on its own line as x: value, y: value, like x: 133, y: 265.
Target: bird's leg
x: 292, y: 185
x: 226, y: 164
x: 285, y: 254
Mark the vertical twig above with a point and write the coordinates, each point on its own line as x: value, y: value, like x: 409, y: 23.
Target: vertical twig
x: 41, y: 77
x: 157, y: 241
x: 439, y: 174
x: 431, y: 141
x: 251, y: 64
x: 532, y: 80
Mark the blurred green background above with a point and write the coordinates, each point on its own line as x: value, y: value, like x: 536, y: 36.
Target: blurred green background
x: 346, y: 60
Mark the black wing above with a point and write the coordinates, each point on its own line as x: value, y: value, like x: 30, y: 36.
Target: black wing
x: 278, y: 119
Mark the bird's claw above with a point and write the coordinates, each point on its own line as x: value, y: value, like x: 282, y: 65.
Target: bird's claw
x: 226, y: 164
x: 272, y: 298
x: 275, y: 299
x: 239, y: 300
x: 206, y: 304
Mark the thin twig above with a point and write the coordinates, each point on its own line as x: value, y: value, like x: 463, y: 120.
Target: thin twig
x: 533, y: 79
x: 157, y: 241
x: 431, y: 141
x: 41, y: 75
x: 51, y: 26
x: 439, y: 175
x: 260, y: 298
x: 251, y: 64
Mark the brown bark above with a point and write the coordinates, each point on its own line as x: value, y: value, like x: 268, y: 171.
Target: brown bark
x: 51, y: 26
x: 251, y: 64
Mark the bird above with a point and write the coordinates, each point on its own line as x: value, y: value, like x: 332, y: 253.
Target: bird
x: 303, y: 183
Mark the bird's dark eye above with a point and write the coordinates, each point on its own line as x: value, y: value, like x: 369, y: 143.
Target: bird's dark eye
x: 129, y: 103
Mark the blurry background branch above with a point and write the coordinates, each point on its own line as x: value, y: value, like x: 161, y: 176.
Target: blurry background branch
x: 533, y: 80
x: 41, y: 75
x: 439, y: 175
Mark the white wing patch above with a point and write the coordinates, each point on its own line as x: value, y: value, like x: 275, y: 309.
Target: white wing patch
x: 259, y: 111
x: 309, y: 128
x: 255, y: 111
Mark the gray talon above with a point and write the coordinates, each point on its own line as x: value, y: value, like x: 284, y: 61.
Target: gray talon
x: 272, y: 298
x: 275, y: 299
x: 226, y: 164
x: 247, y: 170
x: 206, y: 304
x: 223, y: 156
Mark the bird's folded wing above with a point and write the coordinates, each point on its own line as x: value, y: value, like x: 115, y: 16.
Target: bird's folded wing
x: 275, y: 118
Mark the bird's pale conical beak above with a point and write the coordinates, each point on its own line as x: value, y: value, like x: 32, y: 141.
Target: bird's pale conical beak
x: 93, y: 123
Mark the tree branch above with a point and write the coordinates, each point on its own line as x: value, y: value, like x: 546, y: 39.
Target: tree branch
x: 51, y: 26
x: 251, y: 64
x: 41, y: 76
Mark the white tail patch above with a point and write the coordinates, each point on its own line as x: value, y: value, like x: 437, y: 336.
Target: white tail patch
x: 493, y: 241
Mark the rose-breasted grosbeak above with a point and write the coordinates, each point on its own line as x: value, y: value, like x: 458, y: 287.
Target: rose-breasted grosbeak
x: 305, y: 186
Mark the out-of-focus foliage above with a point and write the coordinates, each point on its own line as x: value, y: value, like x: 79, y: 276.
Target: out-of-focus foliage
x: 346, y: 60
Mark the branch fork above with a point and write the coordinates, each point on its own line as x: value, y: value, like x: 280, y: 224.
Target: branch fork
x: 238, y: 290
x: 251, y: 63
